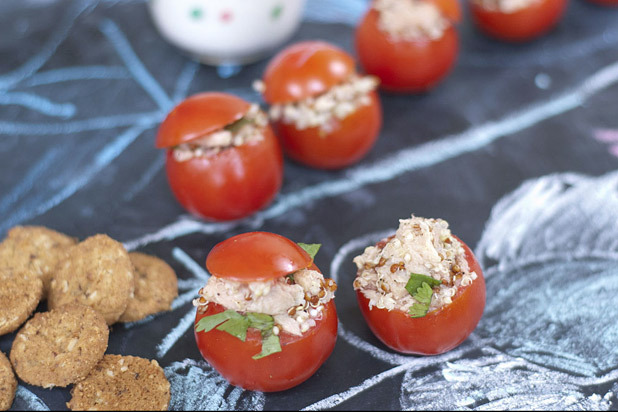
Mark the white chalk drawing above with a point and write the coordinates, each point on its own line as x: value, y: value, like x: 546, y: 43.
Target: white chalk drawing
x: 196, y: 386
x: 26, y: 400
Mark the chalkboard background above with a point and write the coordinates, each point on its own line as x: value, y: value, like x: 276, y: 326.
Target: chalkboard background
x: 517, y: 149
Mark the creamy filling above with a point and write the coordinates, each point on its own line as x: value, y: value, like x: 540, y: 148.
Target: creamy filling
x: 410, y: 20
x: 421, y: 246
x: 505, y: 6
x: 295, y: 302
x: 321, y: 111
x: 246, y: 130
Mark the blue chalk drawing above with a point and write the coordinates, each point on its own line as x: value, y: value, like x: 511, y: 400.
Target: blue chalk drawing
x: 68, y: 74
x: 24, y: 399
x: 341, y: 11
x: 184, y: 81
x: 39, y: 104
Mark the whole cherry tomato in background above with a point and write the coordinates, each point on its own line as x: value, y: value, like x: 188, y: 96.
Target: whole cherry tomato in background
x: 328, y: 116
x: 220, y: 183
x: 262, y: 257
x: 438, y: 331
x: 409, y: 59
x: 521, y: 24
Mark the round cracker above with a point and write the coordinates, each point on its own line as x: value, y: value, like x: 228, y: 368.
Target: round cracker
x: 8, y: 383
x: 97, y: 273
x: 20, y: 293
x: 156, y: 287
x: 122, y: 383
x: 59, y: 347
x: 38, y: 248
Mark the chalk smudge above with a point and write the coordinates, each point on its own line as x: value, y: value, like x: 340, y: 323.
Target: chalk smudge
x: 26, y: 400
x: 197, y: 386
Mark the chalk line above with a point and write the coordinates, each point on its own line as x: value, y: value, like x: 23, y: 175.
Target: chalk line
x: 407, y: 160
x: 67, y: 74
x: 38, y: 60
x: 186, y: 322
x: 134, y: 64
x: 101, y: 160
x: 188, y: 262
x: 38, y: 104
x: 341, y: 11
x: 33, y: 402
x: 184, y: 80
x: 145, y: 178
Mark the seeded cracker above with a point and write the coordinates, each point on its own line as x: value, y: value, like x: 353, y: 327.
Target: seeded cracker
x: 122, y: 383
x: 36, y: 248
x: 20, y: 293
x: 59, y: 347
x: 97, y: 273
x: 8, y: 383
x: 156, y: 287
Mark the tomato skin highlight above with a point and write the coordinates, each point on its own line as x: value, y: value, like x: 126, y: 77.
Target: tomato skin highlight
x: 198, y: 116
x: 404, y: 66
x: 256, y: 256
x: 522, y: 25
x: 350, y: 139
x: 305, y: 69
x: 300, y: 358
x: 437, y: 332
x: 231, y: 184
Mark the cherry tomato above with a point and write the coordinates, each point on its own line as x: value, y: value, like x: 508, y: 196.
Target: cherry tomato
x: 522, y: 25
x: 437, y: 332
x: 231, y: 184
x: 271, y: 256
x: 308, y: 69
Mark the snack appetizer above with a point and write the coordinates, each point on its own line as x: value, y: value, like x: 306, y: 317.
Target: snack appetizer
x: 266, y: 319
x: 325, y: 114
x: 411, y: 45
x: 421, y: 290
x: 223, y: 161
x: 516, y: 20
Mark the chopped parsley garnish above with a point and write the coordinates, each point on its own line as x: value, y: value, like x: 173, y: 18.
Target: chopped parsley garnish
x: 420, y: 288
x: 310, y: 248
x: 236, y: 325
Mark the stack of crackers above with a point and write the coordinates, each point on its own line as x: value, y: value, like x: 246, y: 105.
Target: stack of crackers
x: 88, y: 285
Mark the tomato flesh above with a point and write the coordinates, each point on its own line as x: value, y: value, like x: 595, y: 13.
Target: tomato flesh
x: 305, y: 69
x: 299, y: 359
x: 404, y: 66
x: 347, y: 141
x: 256, y: 256
x: 231, y: 184
x: 437, y: 332
x: 199, y: 115
x: 522, y: 25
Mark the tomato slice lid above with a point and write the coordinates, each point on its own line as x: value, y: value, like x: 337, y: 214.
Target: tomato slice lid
x: 256, y: 256
x: 305, y: 69
x: 198, y: 116
x: 450, y: 8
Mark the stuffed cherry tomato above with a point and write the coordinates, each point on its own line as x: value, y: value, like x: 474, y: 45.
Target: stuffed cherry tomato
x: 410, y: 45
x: 324, y: 113
x: 223, y: 160
x: 517, y: 20
x: 421, y: 291
x: 266, y: 319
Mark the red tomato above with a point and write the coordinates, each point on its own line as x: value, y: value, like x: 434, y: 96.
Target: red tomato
x: 450, y: 8
x: 299, y: 359
x: 522, y: 25
x: 308, y: 69
x: 404, y: 66
x: 256, y: 256
x: 231, y: 184
x: 437, y: 332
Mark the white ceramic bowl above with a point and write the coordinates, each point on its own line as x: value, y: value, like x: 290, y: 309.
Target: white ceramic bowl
x: 227, y: 31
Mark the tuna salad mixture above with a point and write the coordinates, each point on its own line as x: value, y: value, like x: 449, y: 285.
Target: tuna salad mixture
x: 419, y: 247
x: 410, y: 20
x: 295, y: 301
x: 505, y: 6
x: 243, y: 131
x: 320, y: 111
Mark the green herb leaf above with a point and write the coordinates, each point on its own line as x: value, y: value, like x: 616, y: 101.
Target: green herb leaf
x: 416, y: 281
x: 418, y: 310
x: 260, y: 321
x: 208, y: 323
x: 237, y: 125
x: 423, y: 294
x: 270, y: 345
x: 236, y: 327
x: 310, y: 248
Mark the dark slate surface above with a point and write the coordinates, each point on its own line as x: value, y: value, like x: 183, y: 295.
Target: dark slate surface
x: 517, y: 149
